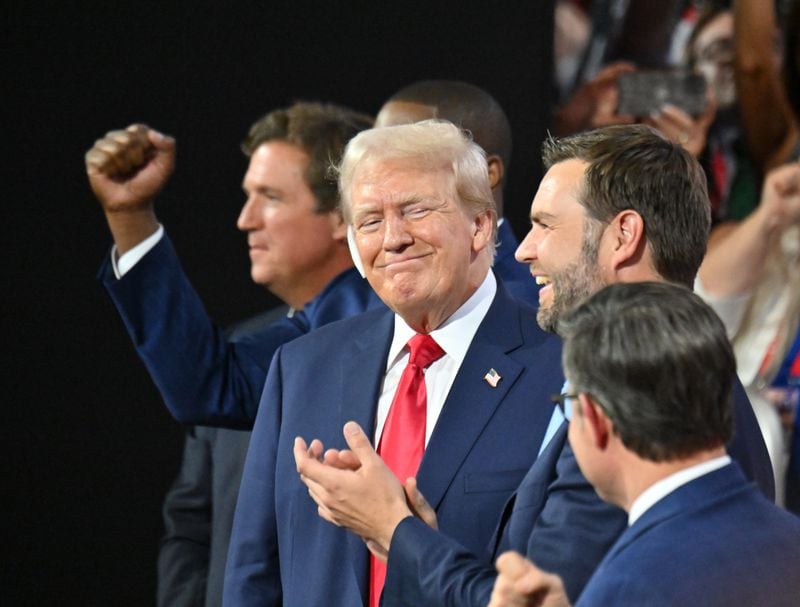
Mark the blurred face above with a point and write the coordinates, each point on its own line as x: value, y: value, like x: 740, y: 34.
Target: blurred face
x: 713, y: 52
x: 289, y: 241
x: 423, y: 255
x: 403, y: 112
x: 561, y: 252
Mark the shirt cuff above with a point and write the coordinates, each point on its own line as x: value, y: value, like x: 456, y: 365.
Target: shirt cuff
x: 125, y: 262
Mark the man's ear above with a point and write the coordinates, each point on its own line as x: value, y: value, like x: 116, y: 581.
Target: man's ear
x: 338, y: 225
x: 597, y: 421
x: 496, y: 170
x: 482, y: 230
x: 628, y: 239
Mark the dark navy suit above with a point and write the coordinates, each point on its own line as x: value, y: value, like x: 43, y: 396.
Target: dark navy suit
x: 555, y: 518
x: 516, y: 276
x: 204, y: 377
x: 282, y: 552
x: 713, y: 542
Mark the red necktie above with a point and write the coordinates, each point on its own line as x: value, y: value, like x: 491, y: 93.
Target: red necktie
x: 403, y: 439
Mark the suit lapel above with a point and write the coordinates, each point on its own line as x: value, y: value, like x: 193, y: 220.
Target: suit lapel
x: 362, y: 372
x: 472, y: 401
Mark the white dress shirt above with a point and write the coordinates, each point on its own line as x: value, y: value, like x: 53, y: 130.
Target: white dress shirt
x: 130, y: 258
x: 454, y: 336
x: 661, y: 489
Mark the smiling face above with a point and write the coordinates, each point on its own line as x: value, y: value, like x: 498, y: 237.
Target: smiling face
x: 562, y: 245
x: 422, y: 253
x: 291, y: 245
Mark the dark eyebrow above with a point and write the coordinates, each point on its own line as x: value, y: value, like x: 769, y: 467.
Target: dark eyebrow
x: 264, y: 190
x: 540, y: 215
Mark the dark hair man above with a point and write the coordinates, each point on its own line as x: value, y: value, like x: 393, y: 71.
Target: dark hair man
x: 297, y: 251
x: 648, y: 365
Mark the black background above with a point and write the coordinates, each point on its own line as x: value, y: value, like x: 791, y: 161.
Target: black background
x: 90, y: 450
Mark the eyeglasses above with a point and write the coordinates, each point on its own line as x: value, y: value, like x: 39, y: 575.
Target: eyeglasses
x: 561, y: 399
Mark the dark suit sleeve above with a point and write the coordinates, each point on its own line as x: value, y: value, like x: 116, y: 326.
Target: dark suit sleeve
x: 183, y: 559
x: 203, y: 377
x: 575, y: 528
x: 252, y: 574
x: 426, y: 567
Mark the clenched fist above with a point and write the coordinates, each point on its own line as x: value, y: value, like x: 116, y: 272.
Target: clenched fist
x: 127, y: 169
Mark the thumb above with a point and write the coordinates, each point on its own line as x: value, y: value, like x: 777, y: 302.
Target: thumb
x: 512, y: 565
x: 358, y: 442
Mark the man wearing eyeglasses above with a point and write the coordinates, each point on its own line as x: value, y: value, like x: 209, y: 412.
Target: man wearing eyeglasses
x: 648, y: 366
x: 620, y: 204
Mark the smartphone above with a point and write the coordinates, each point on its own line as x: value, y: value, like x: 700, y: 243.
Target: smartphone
x: 645, y: 92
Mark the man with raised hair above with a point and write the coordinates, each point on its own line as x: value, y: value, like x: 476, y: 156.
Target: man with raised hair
x: 475, y: 110
x: 455, y: 367
x: 621, y: 204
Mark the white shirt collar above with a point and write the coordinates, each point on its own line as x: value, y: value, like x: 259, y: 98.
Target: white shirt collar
x: 660, y: 489
x: 455, y: 334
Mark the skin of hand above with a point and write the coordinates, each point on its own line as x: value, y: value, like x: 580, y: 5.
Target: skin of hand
x: 126, y: 170
x: 737, y: 252
x: 595, y: 103
x: 367, y: 500
x: 682, y: 128
x: 780, y: 196
x: 345, y: 459
x: 520, y: 583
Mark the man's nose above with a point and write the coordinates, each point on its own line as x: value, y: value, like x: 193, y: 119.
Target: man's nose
x: 248, y: 216
x: 526, y: 251
x: 395, y: 235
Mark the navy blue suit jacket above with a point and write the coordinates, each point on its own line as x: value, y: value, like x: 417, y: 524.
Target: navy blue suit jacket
x: 555, y: 518
x: 482, y: 445
x: 204, y: 377
x: 715, y: 542
x: 516, y: 276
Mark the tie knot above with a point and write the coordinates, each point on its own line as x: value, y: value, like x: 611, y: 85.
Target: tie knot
x: 424, y: 350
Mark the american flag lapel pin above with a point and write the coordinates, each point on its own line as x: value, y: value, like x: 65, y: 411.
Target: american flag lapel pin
x: 492, y: 377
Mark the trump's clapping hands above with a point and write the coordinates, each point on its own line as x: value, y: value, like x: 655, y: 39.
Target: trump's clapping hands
x: 353, y: 489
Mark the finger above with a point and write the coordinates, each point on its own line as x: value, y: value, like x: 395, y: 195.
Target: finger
x: 135, y: 149
x: 359, y: 443
x: 306, y: 458
x: 677, y: 116
x: 97, y: 161
x: 300, y: 451
x: 326, y: 514
x: 377, y: 550
x: 341, y: 459
x: 419, y: 505
x: 512, y: 565
x: 316, y: 448
x: 613, y: 70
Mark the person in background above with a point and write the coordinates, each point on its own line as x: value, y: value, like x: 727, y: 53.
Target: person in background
x: 298, y: 252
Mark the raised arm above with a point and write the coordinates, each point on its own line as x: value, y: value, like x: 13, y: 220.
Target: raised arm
x: 770, y: 125
x: 735, y: 260
x: 127, y: 169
